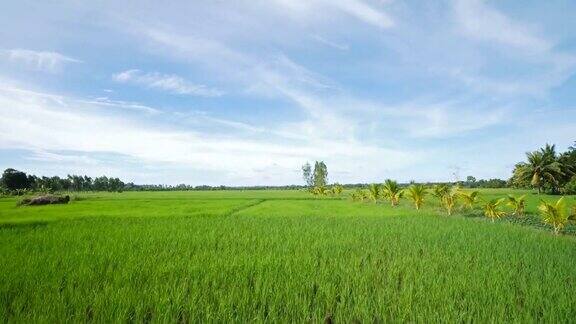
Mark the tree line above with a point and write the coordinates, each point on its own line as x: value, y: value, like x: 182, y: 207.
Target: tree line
x: 18, y: 182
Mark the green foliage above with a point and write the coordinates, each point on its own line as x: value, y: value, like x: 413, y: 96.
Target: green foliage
x: 392, y: 191
x: 374, y: 192
x: 337, y: 189
x: 320, y: 191
x: 417, y: 192
x: 492, y: 209
x: 449, y: 199
x: 320, y: 174
x: 544, y: 169
x: 469, y: 198
x: 440, y: 190
x: 518, y: 204
x: 307, y: 175
x: 554, y: 214
x: 14, y: 180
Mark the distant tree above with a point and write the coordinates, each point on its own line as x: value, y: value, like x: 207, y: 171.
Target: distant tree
x: 320, y: 175
x: 307, y: 175
x: 14, y: 180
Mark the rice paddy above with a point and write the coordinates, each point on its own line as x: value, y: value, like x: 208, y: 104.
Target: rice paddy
x: 277, y: 256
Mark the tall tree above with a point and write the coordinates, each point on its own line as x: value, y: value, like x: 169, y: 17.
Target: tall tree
x: 320, y: 174
x: 541, y: 169
x: 307, y: 175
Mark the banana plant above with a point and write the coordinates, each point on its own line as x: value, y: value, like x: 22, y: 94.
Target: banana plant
x: 492, y: 209
x: 469, y: 198
x: 417, y: 192
x: 374, y: 192
x: 392, y: 191
x: 518, y: 204
x: 554, y: 214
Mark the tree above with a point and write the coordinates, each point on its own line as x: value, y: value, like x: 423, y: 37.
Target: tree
x: 541, y: 169
x: 337, y: 189
x: 554, y: 214
x: 320, y: 175
x: 491, y: 209
x: 518, y: 204
x: 307, y: 175
x: 14, y: 180
x: 439, y: 191
x: 392, y: 191
x: 374, y: 192
x: 417, y: 192
x: 469, y: 198
x: 449, y: 199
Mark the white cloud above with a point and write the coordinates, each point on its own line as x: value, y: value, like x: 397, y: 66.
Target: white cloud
x: 167, y: 82
x: 44, y: 122
x: 482, y: 22
x: 38, y: 60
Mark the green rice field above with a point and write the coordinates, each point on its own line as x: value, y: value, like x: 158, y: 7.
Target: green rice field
x: 278, y: 256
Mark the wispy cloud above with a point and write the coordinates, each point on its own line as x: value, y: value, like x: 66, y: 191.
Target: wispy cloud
x: 483, y: 22
x: 38, y: 60
x: 167, y: 82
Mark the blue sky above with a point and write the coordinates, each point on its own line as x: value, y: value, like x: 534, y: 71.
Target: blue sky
x: 245, y: 92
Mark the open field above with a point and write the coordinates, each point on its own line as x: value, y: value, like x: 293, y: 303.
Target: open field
x: 276, y: 256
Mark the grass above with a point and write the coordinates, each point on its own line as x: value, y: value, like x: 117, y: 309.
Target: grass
x: 276, y: 256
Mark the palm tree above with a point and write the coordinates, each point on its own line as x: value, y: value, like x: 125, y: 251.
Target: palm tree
x: 491, y: 209
x: 417, y: 192
x: 320, y: 191
x: 392, y: 191
x: 439, y: 191
x: 449, y: 200
x: 554, y: 214
x: 469, y: 198
x: 542, y: 167
x: 337, y: 189
x: 374, y: 192
x: 518, y: 204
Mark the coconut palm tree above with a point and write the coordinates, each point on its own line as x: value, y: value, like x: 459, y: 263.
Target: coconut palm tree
x: 439, y: 190
x: 491, y: 209
x: 542, y: 167
x: 518, y: 204
x: 554, y: 214
x: 392, y: 191
x: 374, y: 192
x: 416, y: 192
x: 320, y: 191
x: 337, y: 189
x: 469, y: 198
x: 449, y: 199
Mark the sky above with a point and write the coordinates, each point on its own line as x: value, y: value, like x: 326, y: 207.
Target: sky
x: 245, y: 92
